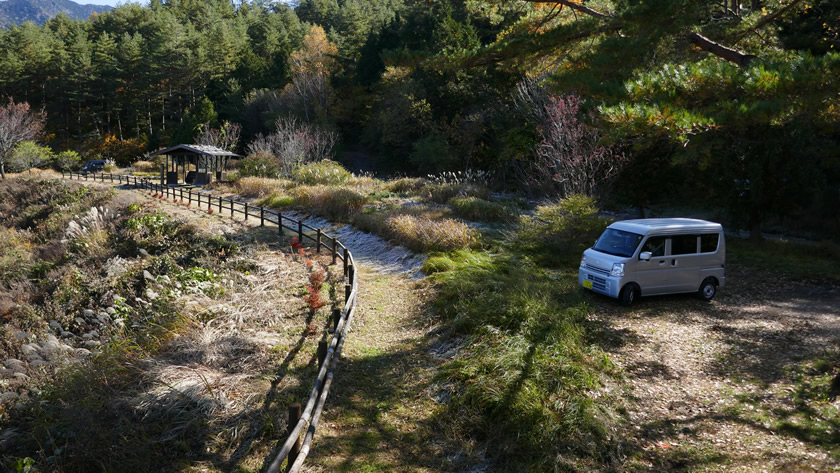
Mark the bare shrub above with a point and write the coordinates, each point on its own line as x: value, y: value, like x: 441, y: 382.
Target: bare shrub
x: 424, y: 234
x: 226, y: 137
x: 569, y: 159
x: 295, y: 143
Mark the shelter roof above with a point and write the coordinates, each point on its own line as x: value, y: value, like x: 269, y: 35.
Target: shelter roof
x: 205, y: 150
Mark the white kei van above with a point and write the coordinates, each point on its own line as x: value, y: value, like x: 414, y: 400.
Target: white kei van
x: 647, y: 257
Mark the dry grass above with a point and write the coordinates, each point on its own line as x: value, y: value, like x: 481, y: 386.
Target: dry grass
x: 260, y: 186
x: 425, y: 234
x: 406, y: 185
x: 145, y: 166
x: 338, y: 204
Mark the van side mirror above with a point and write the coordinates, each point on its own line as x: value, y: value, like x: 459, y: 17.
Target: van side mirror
x: 645, y: 255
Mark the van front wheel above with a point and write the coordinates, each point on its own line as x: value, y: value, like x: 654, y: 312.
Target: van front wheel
x: 708, y: 289
x: 628, y: 294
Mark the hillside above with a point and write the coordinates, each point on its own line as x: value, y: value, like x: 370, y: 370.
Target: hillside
x: 15, y: 12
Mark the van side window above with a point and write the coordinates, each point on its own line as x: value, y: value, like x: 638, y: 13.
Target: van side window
x: 684, y: 244
x: 656, y: 246
x: 709, y: 242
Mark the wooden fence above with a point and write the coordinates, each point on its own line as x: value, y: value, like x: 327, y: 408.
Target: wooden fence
x: 292, y: 449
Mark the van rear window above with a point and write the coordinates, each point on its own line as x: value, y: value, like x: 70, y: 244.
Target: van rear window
x: 709, y: 242
x: 683, y: 244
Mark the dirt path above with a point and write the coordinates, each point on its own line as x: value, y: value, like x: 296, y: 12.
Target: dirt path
x: 377, y: 415
x: 719, y: 387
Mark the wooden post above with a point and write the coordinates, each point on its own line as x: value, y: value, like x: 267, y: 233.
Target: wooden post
x: 300, y: 232
x: 318, y: 242
x: 334, y: 249
x: 336, y: 316
x: 231, y: 207
x: 322, y: 353
x: 189, y: 195
x: 262, y: 216
x: 220, y: 205
x: 352, y: 274
x: 294, y: 417
x: 347, y: 290
x: 209, y: 202
x: 246, y: 211
x: 279, y: 223
x: 346, y: 259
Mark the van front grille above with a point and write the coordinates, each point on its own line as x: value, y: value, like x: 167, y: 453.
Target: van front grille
x: 596, y: 269
x: 599, y: 284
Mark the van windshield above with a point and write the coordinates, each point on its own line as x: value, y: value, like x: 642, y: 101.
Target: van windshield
x: 617, y: 242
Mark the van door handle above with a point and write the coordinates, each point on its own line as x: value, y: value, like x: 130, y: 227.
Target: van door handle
x: 673, y: 262
x: 662, y: 263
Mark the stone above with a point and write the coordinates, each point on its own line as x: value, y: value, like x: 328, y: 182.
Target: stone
x: 148, y: 276
x: 87, y: 313
x: 80, y: 321
x: 51, y: 338
x: 21, y: 336
x: 152, y: 295
x: 110, y: 311
x: 67, y: 335
x: 91, y: 344
x: 15, y: 365
x: 29, y: 350
x: 6, y: 373
x: 7, y: 398
x: 91, y: 335
x: 56, y: 326
x: 82, y: 353
x: 144, y: 253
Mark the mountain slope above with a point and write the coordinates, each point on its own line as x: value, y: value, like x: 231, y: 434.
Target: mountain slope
x: 15, y: 12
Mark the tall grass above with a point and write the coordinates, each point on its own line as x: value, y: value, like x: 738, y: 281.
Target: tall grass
x: 324, y: 172
x: 339, y: 204
x: 525, y: 374
x: 424, y: 234
x: 260, y: 186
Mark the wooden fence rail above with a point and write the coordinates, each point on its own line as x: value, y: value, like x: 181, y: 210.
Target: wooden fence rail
x: 292, y: 449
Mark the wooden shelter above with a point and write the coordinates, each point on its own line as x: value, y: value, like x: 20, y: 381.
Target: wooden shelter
x: 193, y: 164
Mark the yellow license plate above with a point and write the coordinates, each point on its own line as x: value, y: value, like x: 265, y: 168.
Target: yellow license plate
x: 587, y: 284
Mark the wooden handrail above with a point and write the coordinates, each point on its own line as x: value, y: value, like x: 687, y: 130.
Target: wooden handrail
x: 320, y: 389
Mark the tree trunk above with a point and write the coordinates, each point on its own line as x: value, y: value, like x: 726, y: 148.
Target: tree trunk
x: 755, y: 225
x: 704, y: 43
x: 3, y: 170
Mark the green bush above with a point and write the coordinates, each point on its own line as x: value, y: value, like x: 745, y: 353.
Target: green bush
x: 260, y: 165
x: 562, y: 229
x: 326, y: 172
x: 277, y: 199
x: 480, y: 210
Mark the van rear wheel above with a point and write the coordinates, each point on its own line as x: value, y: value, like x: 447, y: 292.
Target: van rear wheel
x: 708, y: 289
x: 629, y: 294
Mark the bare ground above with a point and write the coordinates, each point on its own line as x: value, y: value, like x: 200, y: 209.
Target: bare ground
x: 713, y: 386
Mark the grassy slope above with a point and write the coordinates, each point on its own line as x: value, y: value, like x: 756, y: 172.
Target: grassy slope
x: 171, y: 387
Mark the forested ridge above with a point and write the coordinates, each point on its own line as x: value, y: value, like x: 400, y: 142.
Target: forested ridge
x: 678, y: 102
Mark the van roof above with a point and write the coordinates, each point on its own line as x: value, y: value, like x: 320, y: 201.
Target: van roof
x: 665, y: 225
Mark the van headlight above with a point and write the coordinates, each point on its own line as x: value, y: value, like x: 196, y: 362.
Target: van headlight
x: 582, y: 261
x: 617, y: 270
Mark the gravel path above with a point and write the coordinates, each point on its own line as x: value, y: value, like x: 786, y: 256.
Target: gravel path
x: 711, y: 387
